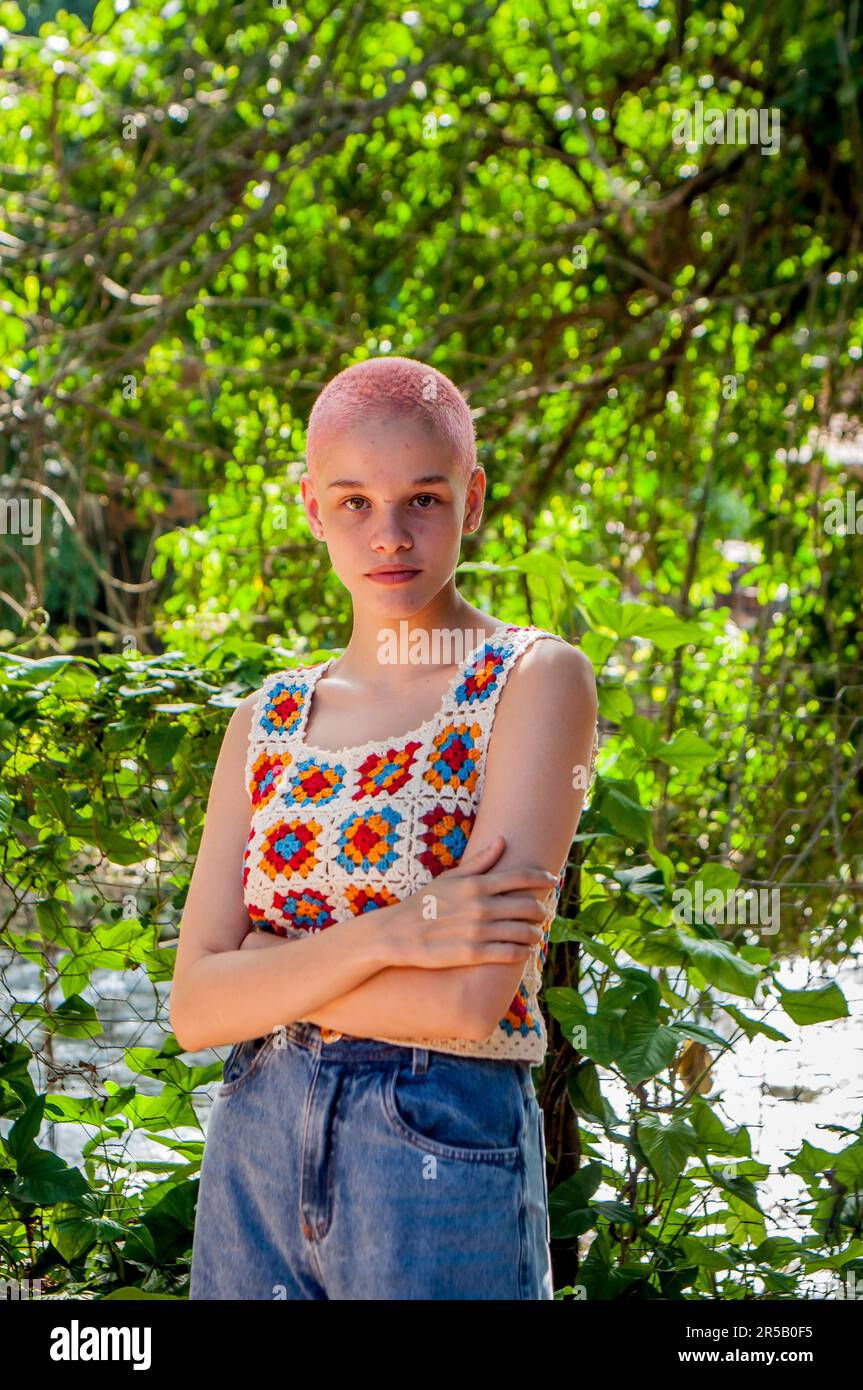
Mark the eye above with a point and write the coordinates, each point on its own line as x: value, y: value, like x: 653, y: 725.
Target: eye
x: 429, y: 496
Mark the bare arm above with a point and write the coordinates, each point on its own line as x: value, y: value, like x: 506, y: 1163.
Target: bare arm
x: 221, y: 994
x: 533, y: 800
x: 401, y: 1001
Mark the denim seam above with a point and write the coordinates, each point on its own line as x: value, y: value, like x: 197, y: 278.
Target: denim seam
x: 313, y: 1241
x: 522, y: 1213
x: 544, y: 1158
x: 331, y: 1139
x: 304, y: 1163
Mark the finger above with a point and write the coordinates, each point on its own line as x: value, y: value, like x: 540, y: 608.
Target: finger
x: 523, y: 906
x: 501, y: 953
x: 507, y: 880
x: 512, y: 929
x: 478, y: 860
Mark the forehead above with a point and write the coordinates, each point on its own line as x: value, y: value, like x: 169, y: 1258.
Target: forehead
x: 386, y: 450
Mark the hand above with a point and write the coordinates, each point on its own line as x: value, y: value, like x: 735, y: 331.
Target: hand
x: 481, y: 917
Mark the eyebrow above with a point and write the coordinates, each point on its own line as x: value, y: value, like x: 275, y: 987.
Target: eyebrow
x: 417, y: 482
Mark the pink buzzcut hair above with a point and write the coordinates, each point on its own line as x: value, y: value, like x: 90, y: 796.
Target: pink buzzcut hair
x: 386, y: 388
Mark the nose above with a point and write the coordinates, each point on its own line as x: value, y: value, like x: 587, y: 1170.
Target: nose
x: 391, y: 533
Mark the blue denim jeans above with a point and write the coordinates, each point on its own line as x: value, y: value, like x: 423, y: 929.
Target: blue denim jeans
x: 362, y: 1170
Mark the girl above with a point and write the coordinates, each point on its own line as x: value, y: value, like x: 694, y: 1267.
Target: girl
x: 377, y: 1134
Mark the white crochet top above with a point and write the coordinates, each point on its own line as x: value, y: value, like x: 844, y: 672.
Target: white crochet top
x: 336, y: 834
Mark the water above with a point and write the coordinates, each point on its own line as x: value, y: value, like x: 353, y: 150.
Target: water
x: 783, y: 1093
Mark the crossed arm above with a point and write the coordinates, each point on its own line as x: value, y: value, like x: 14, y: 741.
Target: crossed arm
x: 400, y: 1001
x: 543, y: 731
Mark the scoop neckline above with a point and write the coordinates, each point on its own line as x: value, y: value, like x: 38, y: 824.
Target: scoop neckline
x: 420, y: 732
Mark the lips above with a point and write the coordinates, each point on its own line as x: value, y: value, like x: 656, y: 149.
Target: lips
x: 398, y: 576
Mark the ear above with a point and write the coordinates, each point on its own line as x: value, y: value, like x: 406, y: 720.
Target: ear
x: 311, y: 505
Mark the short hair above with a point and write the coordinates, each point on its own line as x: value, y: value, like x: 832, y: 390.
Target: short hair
x: 385, y: 388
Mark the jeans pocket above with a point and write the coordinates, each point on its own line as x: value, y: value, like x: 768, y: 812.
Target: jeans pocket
x: 244, y: 1060
x: 460, y: 1108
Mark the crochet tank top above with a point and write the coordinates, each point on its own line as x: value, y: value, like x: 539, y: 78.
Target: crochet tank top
x: 336, y: 834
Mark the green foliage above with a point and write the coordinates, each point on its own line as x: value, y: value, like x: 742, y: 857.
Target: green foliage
x: 208, y: 211
x: 87, y: 749
x: 131, y: 742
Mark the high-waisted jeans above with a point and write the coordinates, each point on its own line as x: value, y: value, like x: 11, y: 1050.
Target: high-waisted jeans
x: 362, y: 1170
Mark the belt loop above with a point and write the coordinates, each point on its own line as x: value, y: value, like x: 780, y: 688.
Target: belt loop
x: 420, y: 1061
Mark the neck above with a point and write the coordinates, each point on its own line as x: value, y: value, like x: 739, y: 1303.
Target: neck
x: 396, y: 650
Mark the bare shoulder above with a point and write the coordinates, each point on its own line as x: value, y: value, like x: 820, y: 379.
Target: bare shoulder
x: 556, y: 674
x: 236, y: 741
x: 549, y: 699
x: 240, y: 723
x: 245, y: 710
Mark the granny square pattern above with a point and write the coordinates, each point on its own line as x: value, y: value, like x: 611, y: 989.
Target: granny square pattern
x: 335, y: 835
